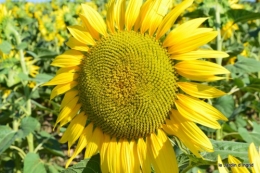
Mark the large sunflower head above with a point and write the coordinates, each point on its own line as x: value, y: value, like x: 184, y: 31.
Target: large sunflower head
x: 122, y: 90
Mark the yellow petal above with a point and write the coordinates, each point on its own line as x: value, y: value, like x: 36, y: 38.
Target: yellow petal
x: 83, y: 140
x: 113, y: 159
x: 74, y: 130
x: 72, y: 69
x: 183, y: 31
x: 200, y: 90
x: 60, y: 89
x: 188, y: 132
x: 126, y: 160
x: 62, y: 78
x: 193, y: 55
x: 110, y: 16
x: 154, y: 15
x: 94, y: 19
x: 234, y: 161
x: 161, y: 153
x: 198, y: 111
x: 221, y: 167
x: 68, y: 97
x: 94, y: 144
x: 77, y: 45
x: 192, y: 43
x: 80, y: 34
x: 67, y: 109
x: 103, y: 153
x: 119, y: 12
x: 169, y: 20
x: 71, y: 115
x: 200, y: 70
x: 135, y: 161
x: 68, y: 59
x: 254, y: 158
x: 132, y: 13
x: 88, y: 27
x: 143, y: 12
x: 143, y: 155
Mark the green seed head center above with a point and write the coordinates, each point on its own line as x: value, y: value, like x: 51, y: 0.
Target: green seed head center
x: 127, y: 85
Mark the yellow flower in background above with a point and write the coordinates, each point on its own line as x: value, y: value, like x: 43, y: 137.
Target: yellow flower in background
x: 4, y: 92
x: 122, y: 89
x: 233, y: 4
x: 238, y: 167
x: 228, y: 29
x: 4, y: 13
x: 32, y: 69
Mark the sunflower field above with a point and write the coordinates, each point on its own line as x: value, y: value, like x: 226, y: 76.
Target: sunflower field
x: 130, y: 86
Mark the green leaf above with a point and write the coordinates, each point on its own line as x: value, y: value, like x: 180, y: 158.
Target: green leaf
x: 42, y: 78
x: 225, y: 148
x: 91, y: 165
x: 241, y: 15
x: 244, y: 65
x: 7, y: 137
x: 28, y: 125
x: 50, y: 143
x: 5, y: 47
x: 249, y: 137
x: 33, y: 164
x: 225, y: 105
x: 253, y: 86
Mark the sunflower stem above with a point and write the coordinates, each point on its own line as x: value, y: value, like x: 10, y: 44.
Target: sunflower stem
x: 218, y: 24
x: 18, y: 40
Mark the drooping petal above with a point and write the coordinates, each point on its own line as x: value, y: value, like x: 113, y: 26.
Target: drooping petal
x: 77, y: 45
x: 71, y: 115
x: 192, y: 43
x: 60, y: 89
x: 113, y: 161
x: 127, y: 159
x: 62, y: 78
x: 193, y: 55
x: 103, y: 153
x: 183, y: 31
x: 94, y: 19
x: 68, y: 97
x: 74, y: 130
x: 234, y: 161
x: 67, y: 109
x: 254, y: 158
x: 80, y: 34
x: 170, y: 18
x: 135, y: 161
x: 200, y: 70
x: 161, y: 153
x: 132, y: 13
x: 200, y: 90
x: 119, y: 11
x: 68, y: 59
x: 198, y: 111
x: 188, y: 132
x: 143, y: 155
x: 82, y: 143
x: 94, y: 144
x: 221, y: 167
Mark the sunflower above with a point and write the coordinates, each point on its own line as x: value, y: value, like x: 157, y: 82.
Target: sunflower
x: 238, y: 167
x: 123, y: 93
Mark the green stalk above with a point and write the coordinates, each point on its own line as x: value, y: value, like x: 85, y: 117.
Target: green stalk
x: 218, y: 24
x: 18, y: 39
